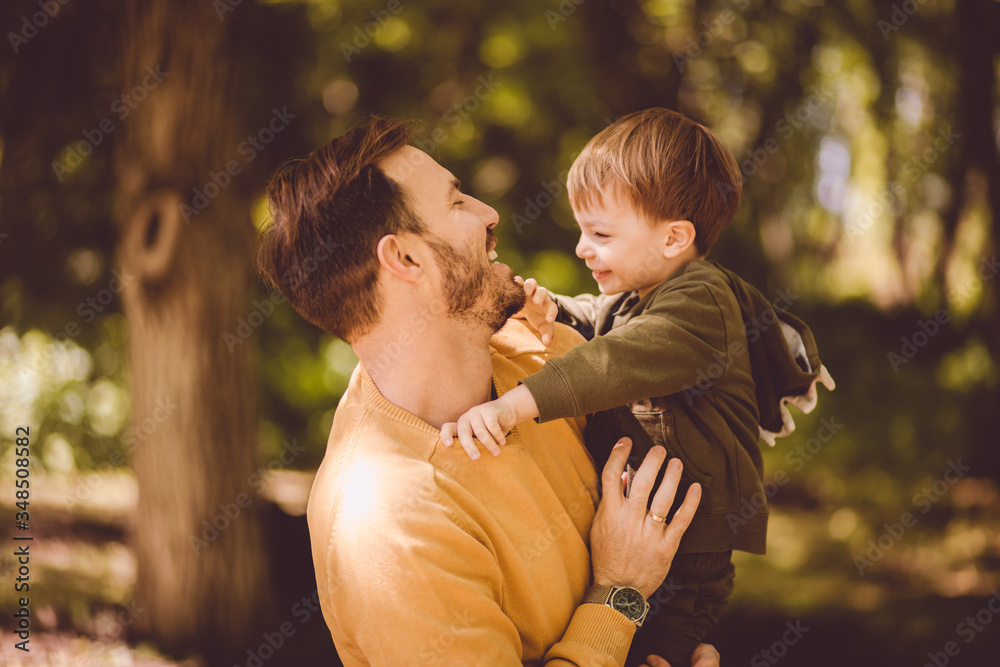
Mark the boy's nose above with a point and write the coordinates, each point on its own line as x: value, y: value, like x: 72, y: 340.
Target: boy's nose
x: 583, y: 248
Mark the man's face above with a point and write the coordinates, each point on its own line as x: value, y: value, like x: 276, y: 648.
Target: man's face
x: 460, y: 231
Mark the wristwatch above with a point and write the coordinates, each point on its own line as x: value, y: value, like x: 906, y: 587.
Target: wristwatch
x: 624, y: 599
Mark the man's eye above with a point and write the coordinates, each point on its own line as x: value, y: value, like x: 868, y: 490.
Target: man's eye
x: 459, y: 202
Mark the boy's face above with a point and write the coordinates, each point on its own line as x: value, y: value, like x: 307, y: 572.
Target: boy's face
x: 622, y: 249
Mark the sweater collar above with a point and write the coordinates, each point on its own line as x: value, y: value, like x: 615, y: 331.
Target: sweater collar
x: 513, y: 339
x: 377, y: 401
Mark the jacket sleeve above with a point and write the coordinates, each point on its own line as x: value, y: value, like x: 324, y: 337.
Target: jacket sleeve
x: 678, y: 342
x: 425, y: 589
x: 580, y: 312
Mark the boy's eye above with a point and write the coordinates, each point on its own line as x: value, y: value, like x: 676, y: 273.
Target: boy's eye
x: 601, y: 236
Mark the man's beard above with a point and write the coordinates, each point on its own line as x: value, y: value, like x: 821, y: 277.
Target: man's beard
x: 467, y: 282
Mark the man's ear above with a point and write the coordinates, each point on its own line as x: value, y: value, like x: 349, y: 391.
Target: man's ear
x: 679, y: 237
x: 398, y: 255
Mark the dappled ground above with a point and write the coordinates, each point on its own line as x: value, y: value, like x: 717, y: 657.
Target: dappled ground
x: 59, y: 649
x: 83, y: 574
x: 912, y: 598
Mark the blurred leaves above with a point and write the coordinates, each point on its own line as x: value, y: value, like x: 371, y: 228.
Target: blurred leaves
x: 838, y: 130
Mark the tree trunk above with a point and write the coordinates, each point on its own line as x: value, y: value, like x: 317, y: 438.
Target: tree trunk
x: 202, y: 587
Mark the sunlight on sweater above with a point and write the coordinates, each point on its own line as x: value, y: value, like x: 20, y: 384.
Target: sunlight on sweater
x: 359, y: 497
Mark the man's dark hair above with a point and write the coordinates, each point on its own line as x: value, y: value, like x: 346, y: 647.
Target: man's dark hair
x: 329, y: 210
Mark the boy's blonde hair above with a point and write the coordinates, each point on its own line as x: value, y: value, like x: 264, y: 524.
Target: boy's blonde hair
x: 669, y: 166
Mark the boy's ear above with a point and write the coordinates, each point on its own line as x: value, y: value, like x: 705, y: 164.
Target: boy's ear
x: 400, y: 256
x: 679, y: 237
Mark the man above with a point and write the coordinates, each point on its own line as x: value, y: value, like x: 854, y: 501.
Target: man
x: 422, y: 556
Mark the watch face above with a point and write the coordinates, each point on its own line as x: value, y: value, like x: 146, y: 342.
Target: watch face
x: 629, y: 602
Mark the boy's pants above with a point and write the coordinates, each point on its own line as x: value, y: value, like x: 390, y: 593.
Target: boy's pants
x: 686, y: 606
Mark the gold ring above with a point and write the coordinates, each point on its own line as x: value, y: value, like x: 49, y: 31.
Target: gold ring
x: 656, y: 517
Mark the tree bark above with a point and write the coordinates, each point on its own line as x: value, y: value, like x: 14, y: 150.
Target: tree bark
x: 978, y: 29
x: 192, y: 397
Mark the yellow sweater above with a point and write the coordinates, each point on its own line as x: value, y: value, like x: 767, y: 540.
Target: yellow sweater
x: 425, y: 557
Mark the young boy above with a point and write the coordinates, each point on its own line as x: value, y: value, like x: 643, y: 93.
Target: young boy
x: 681, y: 353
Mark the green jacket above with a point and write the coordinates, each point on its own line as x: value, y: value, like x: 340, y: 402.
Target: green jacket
x: 699, y: 365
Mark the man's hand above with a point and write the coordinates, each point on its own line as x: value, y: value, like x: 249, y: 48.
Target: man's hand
x: 627, y: 546
x: 539, y: 309
x: 704, y: 655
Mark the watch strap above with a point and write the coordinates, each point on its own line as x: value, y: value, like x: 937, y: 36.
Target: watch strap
x: 598, y: 595
x: 603, y: 594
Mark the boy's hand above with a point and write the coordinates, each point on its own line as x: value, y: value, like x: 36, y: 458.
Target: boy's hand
x: 539, y: 309
x: 489, y: 422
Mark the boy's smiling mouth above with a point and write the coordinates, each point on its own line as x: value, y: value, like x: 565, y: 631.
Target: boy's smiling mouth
x: 598, y: 275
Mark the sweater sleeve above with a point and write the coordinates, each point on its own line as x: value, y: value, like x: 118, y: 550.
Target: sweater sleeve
x: 420, y: 587
x: 678, y: 342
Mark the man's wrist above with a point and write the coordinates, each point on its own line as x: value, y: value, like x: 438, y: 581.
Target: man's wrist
x: 626, y: 600
x: 616, y: 583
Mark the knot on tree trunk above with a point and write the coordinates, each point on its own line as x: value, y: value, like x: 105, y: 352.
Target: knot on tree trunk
x: 153, y: 235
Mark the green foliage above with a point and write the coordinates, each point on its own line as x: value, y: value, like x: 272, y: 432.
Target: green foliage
x: 845, y: 203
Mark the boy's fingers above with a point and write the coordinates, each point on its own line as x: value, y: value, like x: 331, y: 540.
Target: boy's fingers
x: 485, y: 437
x: 547, y: 330
x: 519, y: 280
x: 493, y: 425
x: 448, y: 432
x: 465, y: 437
x: 471, y: 450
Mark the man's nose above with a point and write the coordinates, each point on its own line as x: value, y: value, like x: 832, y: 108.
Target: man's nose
x: 492, y: 217
x: 486, y: 212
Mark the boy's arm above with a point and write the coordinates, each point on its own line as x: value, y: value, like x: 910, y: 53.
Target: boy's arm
x: 582, y: 312
x: 679, y: 342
